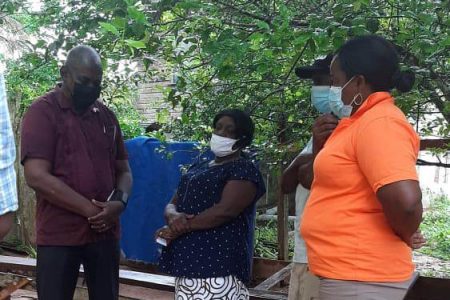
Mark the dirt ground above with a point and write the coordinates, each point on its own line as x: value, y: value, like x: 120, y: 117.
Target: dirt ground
x: 430, y: 266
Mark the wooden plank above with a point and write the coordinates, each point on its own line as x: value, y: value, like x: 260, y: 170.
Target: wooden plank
x: 427, y: 288
x: 282, y: 226
x: 8, y: 278
x: 6, y: 292
x: 153, y: 281
x: 275, y: 278
x: 263, y: 268
x: 267, y: 295
x: 265, y: 218
x: 10, y: 263
x: 24, y: 295
x: 159, y: 282
x: 434, y: 143
x: 141, y: 293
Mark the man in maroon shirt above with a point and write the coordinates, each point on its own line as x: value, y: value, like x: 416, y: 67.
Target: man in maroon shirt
x: 74, y: 158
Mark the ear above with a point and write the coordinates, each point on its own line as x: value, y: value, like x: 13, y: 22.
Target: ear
x: 364, y: 86
x: 360, y: 82
x: 64, y: 73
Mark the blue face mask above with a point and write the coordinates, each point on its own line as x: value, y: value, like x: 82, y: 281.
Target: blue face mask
x: 320, y: 98
x: 337, y: 106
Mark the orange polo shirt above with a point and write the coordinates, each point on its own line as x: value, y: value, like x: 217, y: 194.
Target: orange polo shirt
x: 346, y: 232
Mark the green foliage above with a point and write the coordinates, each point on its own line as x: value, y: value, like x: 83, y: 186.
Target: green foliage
x: 30, y: 77
x: 266, y: 241
x: 129, y: 119
x: 13, y: 242
x: 30, y: 250
x: 33, y: 76
x: 242, y: 54
x: 436, y: 228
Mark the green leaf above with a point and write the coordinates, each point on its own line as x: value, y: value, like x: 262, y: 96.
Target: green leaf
x: 136, y: 15
x: 263, y: 25
x: 135, y: 44
x: 446, y: 42
x: 163, y: 116
x: 312, y: 45
x: 372, y: 25
x: 302, y: 39
x: 107, y: 27
x: 119, y: 22
x: 184, y: 119
x: 189, y: 4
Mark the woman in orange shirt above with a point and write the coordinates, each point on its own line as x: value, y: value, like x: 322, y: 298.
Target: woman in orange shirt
x: 365, y: 202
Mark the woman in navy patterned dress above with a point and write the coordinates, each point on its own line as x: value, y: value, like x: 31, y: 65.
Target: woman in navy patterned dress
x: 209, y: 217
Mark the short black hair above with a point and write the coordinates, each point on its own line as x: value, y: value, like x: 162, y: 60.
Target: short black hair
x: 245, y: 128
x: 376, y: 59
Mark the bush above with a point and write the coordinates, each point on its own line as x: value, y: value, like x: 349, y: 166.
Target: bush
x: 266, y: 241
x: 129, y: 118
x: 436, y: 228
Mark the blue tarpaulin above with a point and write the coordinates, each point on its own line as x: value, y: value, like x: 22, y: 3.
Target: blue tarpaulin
x: 156, y: 173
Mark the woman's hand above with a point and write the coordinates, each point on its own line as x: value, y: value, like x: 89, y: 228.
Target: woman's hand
x: 166, y: 234
x: 322, y: 129
x: 418, y: 240
x: 178, y: 222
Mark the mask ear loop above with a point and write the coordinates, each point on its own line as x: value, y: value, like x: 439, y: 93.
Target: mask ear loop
x: 236, y: 146
x: 356, y: 96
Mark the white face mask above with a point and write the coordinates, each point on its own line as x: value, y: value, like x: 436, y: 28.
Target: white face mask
x: 337, y: 106
x: 222, y: 146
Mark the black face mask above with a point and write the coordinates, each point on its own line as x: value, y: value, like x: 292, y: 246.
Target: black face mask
x: 84, y: 96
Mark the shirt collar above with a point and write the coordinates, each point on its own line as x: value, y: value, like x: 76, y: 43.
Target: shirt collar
x: 63, y: 101
x: 371, y: 101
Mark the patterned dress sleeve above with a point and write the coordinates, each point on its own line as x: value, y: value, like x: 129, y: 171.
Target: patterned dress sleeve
x: 246, y: 170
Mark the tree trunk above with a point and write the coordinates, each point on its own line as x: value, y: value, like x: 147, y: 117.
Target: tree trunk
x: 25, y: 229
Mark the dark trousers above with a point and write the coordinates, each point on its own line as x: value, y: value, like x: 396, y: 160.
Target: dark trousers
x: 58, y: 266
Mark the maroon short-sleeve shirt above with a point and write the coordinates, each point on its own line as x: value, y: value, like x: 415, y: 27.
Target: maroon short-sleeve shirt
x: 83, y: 150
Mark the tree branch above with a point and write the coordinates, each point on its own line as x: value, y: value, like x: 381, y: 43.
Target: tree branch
x: 296, y: 61
x: 260, y: 101
x: 421, y: 162
x: 245, y: 13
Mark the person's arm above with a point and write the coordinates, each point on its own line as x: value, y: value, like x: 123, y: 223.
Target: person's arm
x: 386, y: 151
x: 123, y: 176
x: 306, y: 173
x: 236, y: 196
x: 38, y: 144
x: 6, y: 222
x: 322, y: 129
x: 38, y: 176
x: 291, y: 175
x: 171, y: 207
x: 177, y: 221
x: 112, y: 210
x: 402, y: 207
x: 8, y: 188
